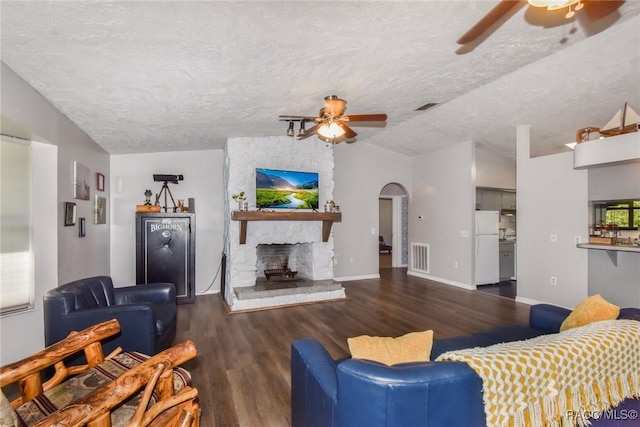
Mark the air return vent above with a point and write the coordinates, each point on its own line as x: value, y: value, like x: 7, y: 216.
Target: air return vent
x: 419, y: 257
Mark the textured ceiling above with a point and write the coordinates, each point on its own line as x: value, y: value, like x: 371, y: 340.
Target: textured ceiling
x: 183, y: 75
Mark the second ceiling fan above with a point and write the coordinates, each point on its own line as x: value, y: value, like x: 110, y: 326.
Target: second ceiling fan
x: 331, y: 122
x: 594, y: 10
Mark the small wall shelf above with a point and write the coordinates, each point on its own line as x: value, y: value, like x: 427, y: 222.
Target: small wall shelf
x: 245, y: 216
x: 612, y: 250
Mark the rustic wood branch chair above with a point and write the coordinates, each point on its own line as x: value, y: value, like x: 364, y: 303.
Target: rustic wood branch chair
x: 105, y: 391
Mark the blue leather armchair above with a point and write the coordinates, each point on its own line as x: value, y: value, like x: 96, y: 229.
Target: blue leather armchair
x: 146, y: 313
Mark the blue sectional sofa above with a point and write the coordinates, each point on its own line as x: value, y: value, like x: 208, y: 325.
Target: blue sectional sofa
x: 354, y: 393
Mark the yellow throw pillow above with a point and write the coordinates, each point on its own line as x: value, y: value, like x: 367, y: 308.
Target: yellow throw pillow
x: 592, y: 309
x: 412, y: 347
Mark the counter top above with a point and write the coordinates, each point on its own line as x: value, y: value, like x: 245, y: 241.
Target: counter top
x: 618, y: 248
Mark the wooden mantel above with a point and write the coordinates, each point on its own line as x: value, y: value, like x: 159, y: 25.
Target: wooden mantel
x: 327, y: 218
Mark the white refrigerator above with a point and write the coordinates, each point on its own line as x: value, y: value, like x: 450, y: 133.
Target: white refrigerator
x: 487, y: 247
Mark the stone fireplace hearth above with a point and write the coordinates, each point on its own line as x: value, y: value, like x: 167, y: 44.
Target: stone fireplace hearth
x: 301, y: 243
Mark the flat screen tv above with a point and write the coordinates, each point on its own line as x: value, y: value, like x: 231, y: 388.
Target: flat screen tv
x: 285, y: 189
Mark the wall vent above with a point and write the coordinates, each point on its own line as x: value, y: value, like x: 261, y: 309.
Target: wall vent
x: 420, y: 257
x: 427, y: 106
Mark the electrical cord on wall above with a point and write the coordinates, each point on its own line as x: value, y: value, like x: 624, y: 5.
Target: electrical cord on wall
x: 213, y: 281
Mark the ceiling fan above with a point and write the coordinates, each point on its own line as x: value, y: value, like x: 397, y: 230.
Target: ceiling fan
x: 594, y: 9
x: 330, y: 124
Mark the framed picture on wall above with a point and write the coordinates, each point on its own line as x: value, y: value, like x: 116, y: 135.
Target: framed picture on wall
x: 99, y: 181
x: 100, y: 210
x: 82, y: 230
x: 69, y: 213
x: 81, y: 185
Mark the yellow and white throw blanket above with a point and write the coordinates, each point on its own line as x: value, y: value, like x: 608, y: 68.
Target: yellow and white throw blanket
x: 559, y: 379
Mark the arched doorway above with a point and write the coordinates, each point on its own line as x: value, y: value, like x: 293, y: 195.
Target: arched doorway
x: 393, y: 226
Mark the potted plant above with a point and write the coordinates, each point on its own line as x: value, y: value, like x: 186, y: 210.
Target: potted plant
x: 242, y: 201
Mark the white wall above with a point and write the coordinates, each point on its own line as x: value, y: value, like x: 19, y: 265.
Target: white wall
x: 361, y: 171
x: 618, y: 283
x: 22, y: 104
x: 552, y: 199
x: 87, y: 256
x: 444, y: 195
x: 132, y: 174
x: 493, y: 171
x: 614, y: 182
x: 60, y: 254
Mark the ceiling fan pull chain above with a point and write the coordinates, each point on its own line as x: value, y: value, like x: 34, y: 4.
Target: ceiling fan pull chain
x: 570, y: 13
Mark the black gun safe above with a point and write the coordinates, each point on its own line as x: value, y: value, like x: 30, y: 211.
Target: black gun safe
x: 166, y: 251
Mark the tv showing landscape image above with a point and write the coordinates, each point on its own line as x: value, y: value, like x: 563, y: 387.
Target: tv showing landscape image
x: 282, y: 189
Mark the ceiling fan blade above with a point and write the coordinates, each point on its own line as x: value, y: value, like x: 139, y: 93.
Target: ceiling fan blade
x: 310, y: 131
x: 487, y: 21
x: 364, y: 118
x: 372, y: 125
x: 348, y: 132
x: 599, y: 9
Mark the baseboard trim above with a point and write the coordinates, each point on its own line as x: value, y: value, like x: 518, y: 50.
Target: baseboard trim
x: 350, y: 278
x: 441, y: 280
x: 207, y: 292
x: 528, y: 301
x: 531, y: 301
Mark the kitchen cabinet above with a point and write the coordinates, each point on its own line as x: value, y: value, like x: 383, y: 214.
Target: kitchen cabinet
x: 507, y: 260
x: 489, y: 199
x: 508, y: 200
x: 166, y: 250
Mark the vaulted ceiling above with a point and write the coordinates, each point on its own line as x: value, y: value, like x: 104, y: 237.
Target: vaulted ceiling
x: 153, y: 76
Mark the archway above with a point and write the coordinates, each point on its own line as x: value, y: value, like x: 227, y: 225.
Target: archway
x: 393, y: 226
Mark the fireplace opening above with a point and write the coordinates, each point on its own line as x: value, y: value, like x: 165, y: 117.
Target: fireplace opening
x: 283, y: 262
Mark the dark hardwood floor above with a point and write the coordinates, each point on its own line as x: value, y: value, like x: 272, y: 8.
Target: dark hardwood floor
x: 506, y: 288
x: 385, y: 261
x: 242, y: 368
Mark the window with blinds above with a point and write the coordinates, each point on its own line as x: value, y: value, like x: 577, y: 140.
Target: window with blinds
x: 16, y: 250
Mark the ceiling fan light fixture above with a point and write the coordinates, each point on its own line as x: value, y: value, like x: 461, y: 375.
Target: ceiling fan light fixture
x: 330, y: 131
x: 290, y: 131
x: 553, y: 4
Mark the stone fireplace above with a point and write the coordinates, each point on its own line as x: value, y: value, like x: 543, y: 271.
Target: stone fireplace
x: 270, y: 244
